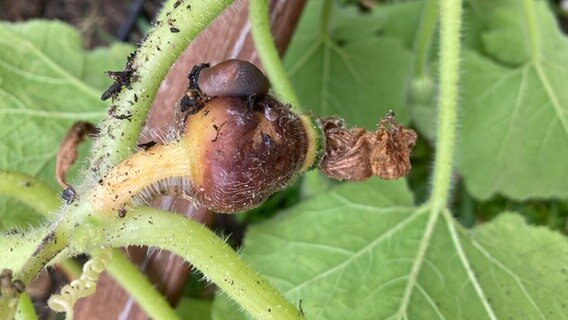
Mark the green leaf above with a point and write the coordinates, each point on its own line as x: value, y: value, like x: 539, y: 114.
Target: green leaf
x: 402, y: 20
x: 362, y: 251
x: 349, y: 69
x: 47, y: 82
x: 514, y: 135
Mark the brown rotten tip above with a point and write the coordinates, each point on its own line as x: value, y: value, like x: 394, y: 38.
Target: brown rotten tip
x: 243, y: 153
x: 356, y: 154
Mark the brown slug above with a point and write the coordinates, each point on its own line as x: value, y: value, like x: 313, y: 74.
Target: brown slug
x: 233, y: 78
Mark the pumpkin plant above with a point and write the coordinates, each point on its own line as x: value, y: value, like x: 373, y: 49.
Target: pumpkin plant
x: 349, y: 250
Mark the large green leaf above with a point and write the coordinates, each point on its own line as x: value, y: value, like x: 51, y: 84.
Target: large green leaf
x: 47, y: 82
x: 514, y: 136
x: 348, y: 69
x: 362, y: 251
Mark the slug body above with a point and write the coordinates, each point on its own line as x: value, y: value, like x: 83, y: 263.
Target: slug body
x: 233, y: 78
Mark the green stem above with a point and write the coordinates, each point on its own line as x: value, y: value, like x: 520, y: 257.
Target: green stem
x: 532, y: 27
x: 450, y: 23
x: 424, y: 36
x: 264, y: 44
x: 139, y: 288
x: 325, y: 19
x: 161, y: 48
x: 151, y: 63
x: 197, y: 244
x: 38, y: 196
x: 16, y: 248
x: 26, y: 309
x: 51, y: 244
x: 27, y: 189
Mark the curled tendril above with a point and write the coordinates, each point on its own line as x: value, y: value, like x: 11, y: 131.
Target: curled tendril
x: 82, y: 287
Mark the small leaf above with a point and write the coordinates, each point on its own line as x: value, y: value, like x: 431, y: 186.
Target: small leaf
x: 349, y: 70
x: 47, y: 82
x: 362, y: 252
x: 514, y: 137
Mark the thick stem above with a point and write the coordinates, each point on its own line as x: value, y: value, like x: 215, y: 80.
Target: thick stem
x: 27, y: 189
x: 40, y: 197
x: 141, y: 170
x: 268, y: 54
x: 51, y: 244
x: 450, y: 23
x: 325, y: 19
x: 137, y: 285
x: 218, y: 262
x: 178, y: 24
x: 45, y: 243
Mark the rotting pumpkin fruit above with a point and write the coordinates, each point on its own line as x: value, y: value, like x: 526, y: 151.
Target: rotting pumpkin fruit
x: 240, y: 145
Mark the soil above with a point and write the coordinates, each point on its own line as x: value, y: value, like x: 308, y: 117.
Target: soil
x: 100, y: 21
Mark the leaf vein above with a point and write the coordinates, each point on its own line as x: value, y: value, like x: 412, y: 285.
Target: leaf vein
x: 363, y: 250
x: 511, y: 274
x: 467, y: 267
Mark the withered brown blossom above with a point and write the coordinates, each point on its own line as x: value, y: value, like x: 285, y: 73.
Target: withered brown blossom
x: 356, y: 154
x: 67, y: 153
x: 8, y: 286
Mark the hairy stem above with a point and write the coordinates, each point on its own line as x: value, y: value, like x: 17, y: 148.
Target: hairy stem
x: 51, y: 244
x: 27, y: 189
x: 149, y: 65
x: 139, y: 288
x: 40, y: 196
x: 17, y: 247
x: 264, y: 44
x: 450, y: 23
x: 178, y: 24
x: 44, y: 200
x: 137, y: 172
x: 218, y: 262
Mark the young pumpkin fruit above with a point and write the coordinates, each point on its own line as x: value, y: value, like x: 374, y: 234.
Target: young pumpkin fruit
x: 243, y: 153
x: 239, y: 145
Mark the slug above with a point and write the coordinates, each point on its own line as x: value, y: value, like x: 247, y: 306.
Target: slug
x: 233, y: 78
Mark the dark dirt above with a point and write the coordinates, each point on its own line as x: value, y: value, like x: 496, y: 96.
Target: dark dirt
x: 100, y: 21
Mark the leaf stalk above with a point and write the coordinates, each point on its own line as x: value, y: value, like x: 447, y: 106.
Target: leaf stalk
x: 450, y: 24
x: 207, y: 252
x: 266, y: 50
